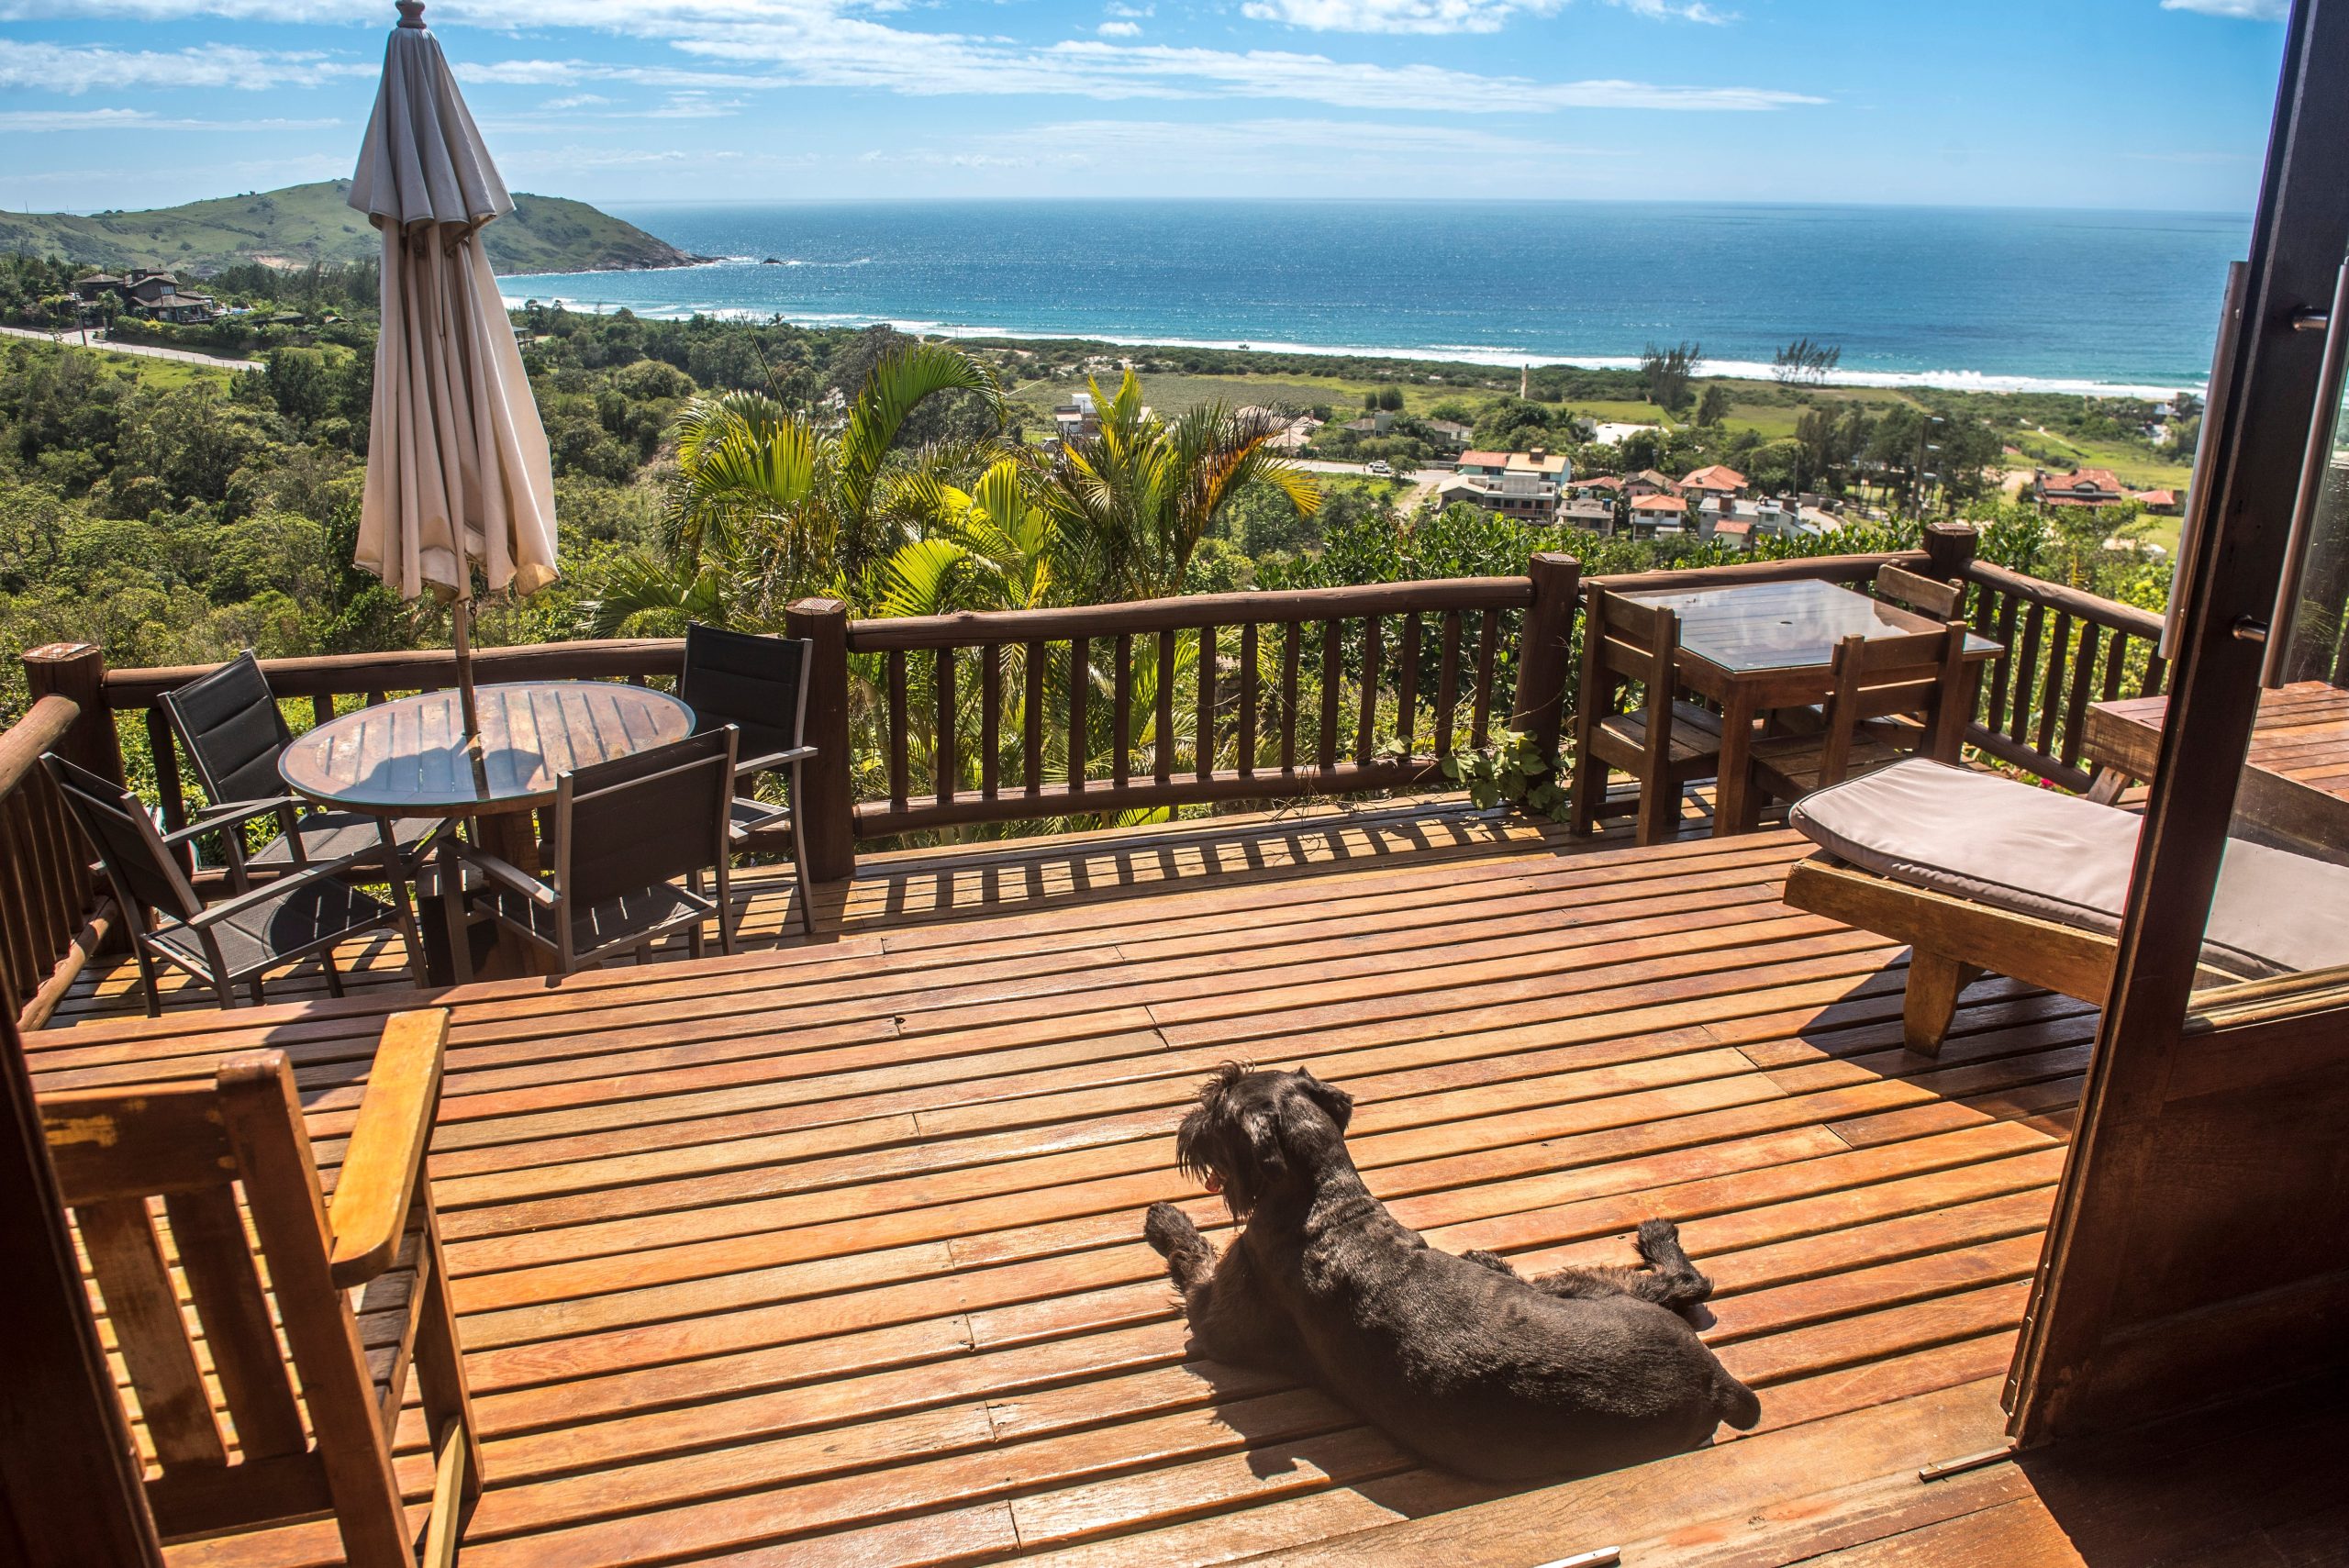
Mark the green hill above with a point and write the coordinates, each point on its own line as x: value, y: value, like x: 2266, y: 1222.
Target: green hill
x: 302, y: 224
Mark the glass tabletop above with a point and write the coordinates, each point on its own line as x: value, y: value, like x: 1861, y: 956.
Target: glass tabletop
x: 1791, y: 625
x: 409, y: 757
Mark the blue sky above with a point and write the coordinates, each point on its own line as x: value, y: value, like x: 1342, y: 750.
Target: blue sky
x: 2159, y: 104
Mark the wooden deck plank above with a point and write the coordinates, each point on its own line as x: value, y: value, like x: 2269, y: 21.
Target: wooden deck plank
x: 830, y: 1254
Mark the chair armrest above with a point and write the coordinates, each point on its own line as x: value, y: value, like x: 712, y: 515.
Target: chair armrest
x: 230, y: 813
x: 383, y: 1161
x: 505, y: 873
x: 316, y: 871
x: 773, y: 760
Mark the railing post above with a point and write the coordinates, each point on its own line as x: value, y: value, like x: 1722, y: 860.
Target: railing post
x: 1545, y: 649
x: 1949, y: 549
x: 824, y: 819
x: 78, y: 671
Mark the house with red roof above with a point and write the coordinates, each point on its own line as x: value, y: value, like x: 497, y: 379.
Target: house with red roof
x: 2081, y: 487
x: 1717, y: 479
x: 1653, y: 514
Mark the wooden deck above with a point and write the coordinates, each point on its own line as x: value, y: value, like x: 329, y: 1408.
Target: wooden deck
x: 832, y: 1255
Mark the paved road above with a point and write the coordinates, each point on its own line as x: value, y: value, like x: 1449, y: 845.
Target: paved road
x: 152, y: 350
x: 1422, y: 485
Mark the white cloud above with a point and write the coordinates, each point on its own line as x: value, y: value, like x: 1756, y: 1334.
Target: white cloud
x: 574, y: 101
x: 746, y: 45
x: 137, y: 119
x: 1447, y: 15
x: 75, y: 69
x: 2248, y: 10
x: 1119, y: 29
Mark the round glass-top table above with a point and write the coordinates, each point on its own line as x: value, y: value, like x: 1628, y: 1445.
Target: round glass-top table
x: 410, y: 758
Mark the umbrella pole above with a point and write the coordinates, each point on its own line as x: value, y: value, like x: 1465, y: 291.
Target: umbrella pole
x: 460, y: 619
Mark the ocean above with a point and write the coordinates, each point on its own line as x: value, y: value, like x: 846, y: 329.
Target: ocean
x: 1994, y: 300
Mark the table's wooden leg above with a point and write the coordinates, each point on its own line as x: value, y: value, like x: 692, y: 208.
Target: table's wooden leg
x: 513, y: 837
x: 1737, y: 743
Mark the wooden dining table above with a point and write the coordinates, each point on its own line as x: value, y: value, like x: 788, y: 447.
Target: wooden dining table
x: 1758, y: 646
x: 411, y: 758
x: 2294, y: 787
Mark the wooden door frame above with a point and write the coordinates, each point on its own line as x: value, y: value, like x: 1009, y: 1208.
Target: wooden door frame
x: 73, y: 1492
x: 2270, y: 394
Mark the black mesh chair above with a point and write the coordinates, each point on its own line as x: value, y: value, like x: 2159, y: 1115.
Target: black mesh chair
x: 632, y: 839
x: 759, y: 685
x: 307, y: 910
x: 229, y: 725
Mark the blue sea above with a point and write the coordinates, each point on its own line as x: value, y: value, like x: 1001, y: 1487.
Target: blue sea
x: 1997, y: 300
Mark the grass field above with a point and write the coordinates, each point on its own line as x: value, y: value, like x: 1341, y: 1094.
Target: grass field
x: 166, y: 375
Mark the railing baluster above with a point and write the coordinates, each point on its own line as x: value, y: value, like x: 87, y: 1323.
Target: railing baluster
x: 1292, y: 641
x: 2116, y: 665
x: 322, y: 708
x: 1121, y: 727
x: 1407, y: 684
x: 991, y: 720
x: 1488, y: 637
x: 1080, y: 681
x: 898, y: 743
x: 20, y: 968
x: 1447, y: 685
x: 2051, y: 696
x: 1247, y: 742
x: 1031, y: 721
x: 1373, y: 631
x: 1332, y: 672
x: 1203, y: 749
x: 2002, y: 668
x: 2083, y: 677
x: 2156, y: 668
x: 945, y: 770
x: 2026, y: 668
x: 376, y: 699
x: 1163, y: 710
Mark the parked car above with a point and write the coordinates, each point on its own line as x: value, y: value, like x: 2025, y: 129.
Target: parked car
x: 1383, y: 469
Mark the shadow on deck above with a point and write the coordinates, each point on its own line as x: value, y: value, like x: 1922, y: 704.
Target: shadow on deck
x: 832, y: 1255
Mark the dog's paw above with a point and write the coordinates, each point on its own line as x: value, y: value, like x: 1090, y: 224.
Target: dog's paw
x: 1657, y: 1236
x: 1167, y: 1227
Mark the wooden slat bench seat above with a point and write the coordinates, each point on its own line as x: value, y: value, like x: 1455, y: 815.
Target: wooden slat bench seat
x: 832, y: 1255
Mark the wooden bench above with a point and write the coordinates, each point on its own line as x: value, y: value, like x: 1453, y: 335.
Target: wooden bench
x: 1952, y: 942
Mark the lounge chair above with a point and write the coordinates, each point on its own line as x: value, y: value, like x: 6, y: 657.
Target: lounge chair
x: 1977, y: 873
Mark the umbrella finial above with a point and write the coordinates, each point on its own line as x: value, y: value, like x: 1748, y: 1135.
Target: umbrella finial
x: 411, y: 12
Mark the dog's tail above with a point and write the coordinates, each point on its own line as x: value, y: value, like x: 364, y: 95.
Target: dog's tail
x: 1737, y: 1403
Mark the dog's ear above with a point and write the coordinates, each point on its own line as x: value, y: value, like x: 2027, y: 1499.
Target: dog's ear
x: 1330, y: 1098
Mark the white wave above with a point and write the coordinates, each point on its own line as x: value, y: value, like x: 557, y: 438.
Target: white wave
x: 1441, y: 353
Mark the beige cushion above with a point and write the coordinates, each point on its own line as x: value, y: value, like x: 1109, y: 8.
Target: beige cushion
x: 1995, y: 842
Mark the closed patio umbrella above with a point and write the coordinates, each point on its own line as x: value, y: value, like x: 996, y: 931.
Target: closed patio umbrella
x: 457, y: 471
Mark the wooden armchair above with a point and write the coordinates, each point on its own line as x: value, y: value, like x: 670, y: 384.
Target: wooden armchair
x: 1926, y: 595
x: 1664, y: 743
x: 190, y: 1144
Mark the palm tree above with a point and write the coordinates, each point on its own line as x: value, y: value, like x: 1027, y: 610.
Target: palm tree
x: 769, y: 504
x: 990, y: 548
x: 1132, y: 502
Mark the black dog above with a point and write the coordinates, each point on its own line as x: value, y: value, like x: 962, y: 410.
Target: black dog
x: 1457, y: 1358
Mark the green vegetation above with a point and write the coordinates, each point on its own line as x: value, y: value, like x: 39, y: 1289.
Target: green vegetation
x: 715, y: 470
x: 303, y: 224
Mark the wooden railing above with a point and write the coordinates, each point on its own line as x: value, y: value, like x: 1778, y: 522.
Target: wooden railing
x: 1106, y: 709
x: 932, y: 723
x: 50, y: 918
x: 2064, y: 650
